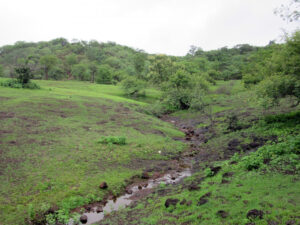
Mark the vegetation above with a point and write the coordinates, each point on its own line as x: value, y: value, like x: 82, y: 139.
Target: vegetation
x: 232, y: 112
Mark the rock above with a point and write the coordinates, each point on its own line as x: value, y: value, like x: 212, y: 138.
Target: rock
x: 140, y: 187
x: 171, y: 201
x: 99, y: 209
x: 291, y: 222
x: 193, y: 187
x: 88, y: 208
x: 228, y: 174
x: 145, y: 175
x: 103, y: 185
x: 224, y: 181
x: 254, y: 213
x: 183, y: 202
x: 202, y: 201
x: 222, y: 213
x: 189, y: 203
x: 129, y: 191
x: 83, y: 219
x: 215, y: 169
x: 52, y: 210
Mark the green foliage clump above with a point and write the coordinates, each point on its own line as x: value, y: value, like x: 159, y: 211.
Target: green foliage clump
x: 133, y: 87
x: 282, y: 156
x: 22, y: 81
x: 208, y: 172
x: 117, y: 140
x: 283, y: 118
x: 104, y: 75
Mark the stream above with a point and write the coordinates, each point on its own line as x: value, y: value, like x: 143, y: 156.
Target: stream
x: 124, y: 200
x: 95, y: 214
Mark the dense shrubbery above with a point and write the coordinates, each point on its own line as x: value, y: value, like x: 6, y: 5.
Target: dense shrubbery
x: 22, y: 81
x: 275, y: 71
x: 133, y: 87
x: 282, y: 156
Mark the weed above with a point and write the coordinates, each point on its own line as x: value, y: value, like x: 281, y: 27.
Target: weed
x: 117, y: 140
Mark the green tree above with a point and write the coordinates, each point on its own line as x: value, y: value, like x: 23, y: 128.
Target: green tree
x: 161, y: 69
x: 80, y: 71
x: 133, y: 87
x: 139, y: 64
x: 70, y: 60
x: 48, y: 62
x: 1, y: 71
x: 93, y: 69
x: 104, y: 75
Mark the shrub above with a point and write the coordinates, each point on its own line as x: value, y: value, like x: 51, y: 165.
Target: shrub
x: 283, y: 118
x: 118, y: 140
x: 104, y: 74
x: 133, y: 87
x: 281, y: 156
x: 16, y: 84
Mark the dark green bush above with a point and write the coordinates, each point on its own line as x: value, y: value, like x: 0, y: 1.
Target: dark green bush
x: 16, y: 84
x: 283, y: 118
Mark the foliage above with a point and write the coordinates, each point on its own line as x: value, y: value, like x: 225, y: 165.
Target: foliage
x: 1, y: 71
x: 104, y: 75
x: 133, y: 87
x: 281, y: 156
x: 117, y: 140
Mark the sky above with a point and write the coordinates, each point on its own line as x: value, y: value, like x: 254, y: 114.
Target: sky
x: 156, y: 26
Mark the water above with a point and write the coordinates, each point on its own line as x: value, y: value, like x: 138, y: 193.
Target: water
x: 126, y: 199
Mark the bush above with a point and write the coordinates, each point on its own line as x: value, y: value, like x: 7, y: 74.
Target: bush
x: 104, y: 74
x: 281, y: 156
x: 16, y: 84
x: 133, y: 87
x: 113, y: 140
x: 283, y: 118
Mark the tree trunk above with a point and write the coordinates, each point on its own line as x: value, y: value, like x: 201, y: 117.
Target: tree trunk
x: 46, y: 74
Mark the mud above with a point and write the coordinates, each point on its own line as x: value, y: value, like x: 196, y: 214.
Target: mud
x: 97, y: 212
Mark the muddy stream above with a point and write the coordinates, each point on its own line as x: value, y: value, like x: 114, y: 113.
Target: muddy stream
x: 97, y: 212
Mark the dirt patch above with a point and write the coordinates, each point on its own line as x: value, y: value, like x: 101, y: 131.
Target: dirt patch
x: 6, y: 115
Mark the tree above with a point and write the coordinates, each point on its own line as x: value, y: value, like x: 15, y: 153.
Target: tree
x: 1, y: 70
x: 23, y: 74
x: 289, y: 12
x: 93, y: 69
x: 48, y: 62
x: 161, y: 69
x: 139, y: 64
x: 133, y: 87
x: 104, y: 75
x: 80, y: 71
x: 70, y: 60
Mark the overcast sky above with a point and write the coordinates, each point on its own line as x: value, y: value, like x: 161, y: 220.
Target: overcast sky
x: 156, y: 26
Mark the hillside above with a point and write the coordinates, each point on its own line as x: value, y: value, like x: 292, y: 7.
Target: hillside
x: 99, y: 133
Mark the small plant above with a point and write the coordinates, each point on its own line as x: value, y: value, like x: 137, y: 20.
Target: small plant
x: 208, y: 172
x: 117, y: 140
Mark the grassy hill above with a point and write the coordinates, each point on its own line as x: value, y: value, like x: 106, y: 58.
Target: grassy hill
x: 49, y: 145
x: 52, y: 151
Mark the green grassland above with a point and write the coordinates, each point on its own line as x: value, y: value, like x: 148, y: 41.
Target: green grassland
x: 259, y: 167
x: 49, y: 146
x: 57, y: 147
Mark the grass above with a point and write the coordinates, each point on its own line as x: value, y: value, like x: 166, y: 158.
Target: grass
x: 264, y: 177
x: 49, y: 150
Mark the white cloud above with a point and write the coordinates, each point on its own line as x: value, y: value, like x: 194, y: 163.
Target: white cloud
x: 157, y: 26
